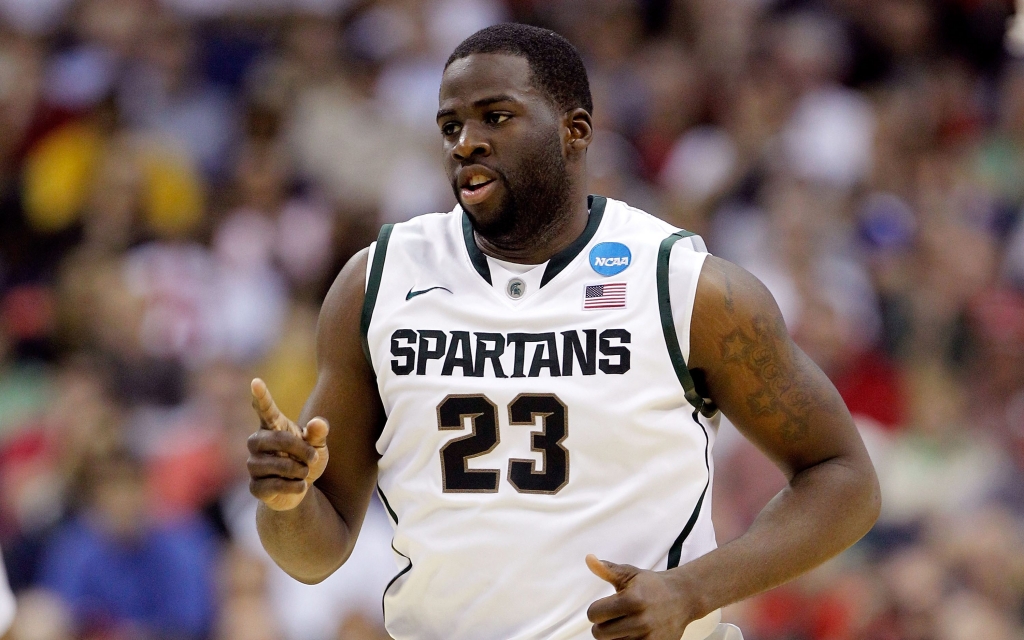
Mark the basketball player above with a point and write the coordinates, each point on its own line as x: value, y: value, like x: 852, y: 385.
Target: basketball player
x: 533, y: 381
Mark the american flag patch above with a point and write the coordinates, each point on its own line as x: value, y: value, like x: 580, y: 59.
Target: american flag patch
x: 605, y: 296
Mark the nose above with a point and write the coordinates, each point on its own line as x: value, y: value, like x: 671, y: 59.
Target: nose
x: 470, y: 143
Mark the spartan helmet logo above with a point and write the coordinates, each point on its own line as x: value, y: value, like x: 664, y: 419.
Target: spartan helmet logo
x: 515, y: 288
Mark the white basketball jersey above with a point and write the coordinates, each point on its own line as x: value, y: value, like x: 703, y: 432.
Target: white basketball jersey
x: 534, y: 421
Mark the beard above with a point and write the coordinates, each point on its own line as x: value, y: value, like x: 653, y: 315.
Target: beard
x: 537, y: 196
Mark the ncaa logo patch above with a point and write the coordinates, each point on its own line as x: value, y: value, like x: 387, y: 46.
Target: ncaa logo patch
x: 610, y: 258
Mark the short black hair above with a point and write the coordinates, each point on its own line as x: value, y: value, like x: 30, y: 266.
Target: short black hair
x: 556, y: 65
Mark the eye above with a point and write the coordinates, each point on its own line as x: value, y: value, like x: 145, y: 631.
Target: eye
x: 496, y: 118
x: 450, y: 128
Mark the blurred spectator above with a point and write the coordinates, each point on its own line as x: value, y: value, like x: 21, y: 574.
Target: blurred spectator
x: 163, y: 91
x: 122, y: 575
x: 245, y: 610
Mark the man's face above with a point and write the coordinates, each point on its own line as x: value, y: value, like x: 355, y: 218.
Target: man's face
x: 503, y: 149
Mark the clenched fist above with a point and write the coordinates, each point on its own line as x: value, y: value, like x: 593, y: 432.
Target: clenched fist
x: 283, y: 459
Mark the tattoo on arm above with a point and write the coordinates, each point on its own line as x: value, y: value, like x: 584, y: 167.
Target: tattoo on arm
x: 777, y: 395
x: 752, y: 368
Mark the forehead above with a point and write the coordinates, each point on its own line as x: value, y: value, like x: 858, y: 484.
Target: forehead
x: 482, y: 75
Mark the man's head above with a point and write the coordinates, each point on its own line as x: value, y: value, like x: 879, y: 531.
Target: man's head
x: 556, y: 65
x: 514, y: 113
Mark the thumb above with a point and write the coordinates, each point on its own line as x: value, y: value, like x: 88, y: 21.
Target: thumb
x: 618, y: 575
x: 315, y: 433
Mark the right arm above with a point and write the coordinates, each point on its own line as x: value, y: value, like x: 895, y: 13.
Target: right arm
x: 312, y: 538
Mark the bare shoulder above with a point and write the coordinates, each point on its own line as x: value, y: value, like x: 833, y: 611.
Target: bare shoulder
x: 724, y: 284
x: 344, y: 301
x: 343, y: 370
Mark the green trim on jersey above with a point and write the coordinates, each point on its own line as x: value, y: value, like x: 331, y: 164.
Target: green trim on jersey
x: 668, y: 326
x: 675, y: 552
x: 675, y: 353
x: 475, y: 254
x: 561, y: 260
x: 558, y: 262
x: 387, y: 505
x: 373, y: 286
x: 395, y: 579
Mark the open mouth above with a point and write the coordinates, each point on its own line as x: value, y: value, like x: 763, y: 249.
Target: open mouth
x: 477, y: 188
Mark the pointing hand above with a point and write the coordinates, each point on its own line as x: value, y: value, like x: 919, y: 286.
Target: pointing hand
x: 283, y: 459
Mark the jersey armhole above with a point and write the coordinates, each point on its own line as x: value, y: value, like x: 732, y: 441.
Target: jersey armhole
x: 374, y: 270
x: 678, y: 273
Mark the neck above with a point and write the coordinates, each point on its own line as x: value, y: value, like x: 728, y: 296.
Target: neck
x: 564, y: 227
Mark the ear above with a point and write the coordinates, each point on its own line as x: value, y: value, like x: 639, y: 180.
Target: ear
x: 580, y: 128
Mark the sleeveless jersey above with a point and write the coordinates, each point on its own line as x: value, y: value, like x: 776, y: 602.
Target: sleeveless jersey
x: 527, y: 429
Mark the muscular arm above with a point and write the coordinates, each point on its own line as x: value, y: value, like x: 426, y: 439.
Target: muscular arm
x: 312, y: 540
x: 784, y: 404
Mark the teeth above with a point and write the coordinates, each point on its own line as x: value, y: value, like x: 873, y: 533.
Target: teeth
x: 477, y: 180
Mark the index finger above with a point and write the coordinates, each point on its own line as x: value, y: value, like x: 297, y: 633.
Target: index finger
x: 270, y: 415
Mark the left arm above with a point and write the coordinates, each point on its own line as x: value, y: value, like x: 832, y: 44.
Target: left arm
x: 784, y: 404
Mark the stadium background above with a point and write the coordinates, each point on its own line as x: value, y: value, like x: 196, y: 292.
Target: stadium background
x: 180, y: 180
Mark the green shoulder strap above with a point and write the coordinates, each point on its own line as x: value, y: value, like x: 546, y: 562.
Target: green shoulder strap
x: 668, y: 326
x: 685, y: 379
x: 373, y: 286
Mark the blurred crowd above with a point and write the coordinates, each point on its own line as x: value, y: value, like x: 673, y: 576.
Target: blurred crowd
x: 180, y: 180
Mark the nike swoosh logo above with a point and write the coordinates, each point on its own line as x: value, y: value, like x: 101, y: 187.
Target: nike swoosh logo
x: 412, y: 294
